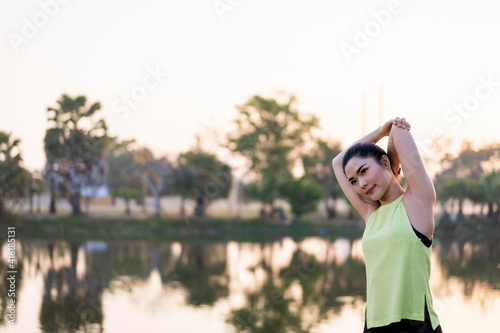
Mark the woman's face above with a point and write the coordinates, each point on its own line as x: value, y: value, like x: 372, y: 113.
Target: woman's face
x: 369, y: 178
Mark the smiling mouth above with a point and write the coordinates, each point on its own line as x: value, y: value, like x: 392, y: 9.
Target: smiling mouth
x: 370, y: 190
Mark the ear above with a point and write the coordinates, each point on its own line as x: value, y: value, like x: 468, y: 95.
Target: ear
x: 386, y: 163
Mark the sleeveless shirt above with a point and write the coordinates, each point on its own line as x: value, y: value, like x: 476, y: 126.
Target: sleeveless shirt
x: 397, y: 268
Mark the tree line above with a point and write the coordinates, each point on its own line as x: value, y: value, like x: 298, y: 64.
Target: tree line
x: 285, y: 160
x: 472, y: 175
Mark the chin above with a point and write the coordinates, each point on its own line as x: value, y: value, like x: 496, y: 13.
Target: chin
x: 374, y: 196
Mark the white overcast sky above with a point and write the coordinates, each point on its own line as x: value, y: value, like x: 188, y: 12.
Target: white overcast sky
x: 428, y: 56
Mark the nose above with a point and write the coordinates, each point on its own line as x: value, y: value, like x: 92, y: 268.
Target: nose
x: 362, y: 182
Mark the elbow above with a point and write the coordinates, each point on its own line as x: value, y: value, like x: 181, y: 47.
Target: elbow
x: 337, y: 167
x: 337, y: 162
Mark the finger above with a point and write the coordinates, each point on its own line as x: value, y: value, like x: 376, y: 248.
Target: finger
x: 398, y: 122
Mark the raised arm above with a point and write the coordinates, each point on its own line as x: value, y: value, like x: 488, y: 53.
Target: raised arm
x: 391, y: 150
x: 420, y: 195
x: 363, y: 207
x: 403, y: 146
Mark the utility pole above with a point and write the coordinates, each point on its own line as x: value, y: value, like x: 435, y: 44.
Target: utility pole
x: 380, y: 105
x: 363, y: 115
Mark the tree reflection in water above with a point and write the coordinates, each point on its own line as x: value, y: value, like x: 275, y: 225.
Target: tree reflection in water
x: 281, y: 286
x: 70, y: 302
x: 201, y: 269
x: 303, y: 293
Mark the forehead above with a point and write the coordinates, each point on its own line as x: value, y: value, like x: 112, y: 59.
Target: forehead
x: 354, y: 163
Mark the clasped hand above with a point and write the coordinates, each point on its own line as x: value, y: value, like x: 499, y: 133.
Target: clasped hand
x: 399, y: 122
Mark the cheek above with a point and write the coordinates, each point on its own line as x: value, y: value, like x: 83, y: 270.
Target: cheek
x: 377, y: 175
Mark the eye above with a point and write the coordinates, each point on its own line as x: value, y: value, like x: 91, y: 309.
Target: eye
x: 364, y: 171
x: 353, y: 182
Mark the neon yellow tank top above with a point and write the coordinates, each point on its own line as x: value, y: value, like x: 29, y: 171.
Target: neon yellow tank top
x: 397, y: 268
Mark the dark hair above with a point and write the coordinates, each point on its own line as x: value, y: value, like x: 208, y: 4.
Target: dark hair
x: 365, y: 150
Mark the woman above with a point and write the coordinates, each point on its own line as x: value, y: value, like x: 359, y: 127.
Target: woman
x: 399, y: 227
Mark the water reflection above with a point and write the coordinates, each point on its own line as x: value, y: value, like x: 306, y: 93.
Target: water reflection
x: 311, y: 285
x: 295, y: 294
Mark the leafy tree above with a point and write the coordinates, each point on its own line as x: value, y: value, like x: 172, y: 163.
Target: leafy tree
x: 487, y: 190
x: 13, y: 177
x: 128, y: 194
x: 126, y: 176
x: 456, y: 190
x: 469, y: 163
x: 469, y: 175
x: 74, y: 153
x: 123, y: 166
x: 54, y: 181
x: 318, y: 165
x: 270, y: 134
x: 255, y: 191
x: 495, y: 191
x: 303, y: 195
x: 202, y: 177
x: 184, y: 183
x: 157, y: 173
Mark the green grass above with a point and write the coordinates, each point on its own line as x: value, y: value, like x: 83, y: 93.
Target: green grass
x: 229, y: 228
x: 84, y: 227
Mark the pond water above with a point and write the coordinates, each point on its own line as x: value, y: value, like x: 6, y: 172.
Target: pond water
x: 288, y: 285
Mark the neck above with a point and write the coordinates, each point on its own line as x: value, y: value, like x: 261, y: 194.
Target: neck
x: 393, y: 192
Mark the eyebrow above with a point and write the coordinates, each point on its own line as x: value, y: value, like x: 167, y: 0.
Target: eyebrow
x: 357, y: 172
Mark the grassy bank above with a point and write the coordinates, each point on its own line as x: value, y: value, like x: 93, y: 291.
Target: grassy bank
x: 174, y: 228
x: 171, y: 228
x: 469, y: 227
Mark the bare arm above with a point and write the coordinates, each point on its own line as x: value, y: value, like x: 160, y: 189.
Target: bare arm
x: 391, y: 150
x: 362, y: 207
x: 420, y: 193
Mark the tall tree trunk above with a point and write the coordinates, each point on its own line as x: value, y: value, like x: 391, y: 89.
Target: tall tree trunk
x: 53, y: 205
x: 31, y: 201
x: 87, y: 205
x: 30, y: 192
x: 127, y: 207
x: 201, y: 205
x: 490, y: 209
x: 270, y: 214
x: 330, y: 211
x: 183, y: 208
x: 145, y: 189
x: 156, y: 190
x: 262, y: 212
x: 157, y: 203
x: 39, y: 203
x: 460, y: 210
x: 327, y: 208
x: 74, y: 200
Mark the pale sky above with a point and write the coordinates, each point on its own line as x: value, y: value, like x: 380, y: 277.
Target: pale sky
x: 166, y: 70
